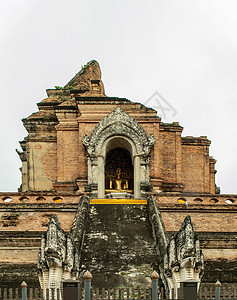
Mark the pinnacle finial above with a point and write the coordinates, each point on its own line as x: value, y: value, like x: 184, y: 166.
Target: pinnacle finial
x: 154, y: 275
x: 87, y: 276
x: 217, y: 283
x: 23, y: 284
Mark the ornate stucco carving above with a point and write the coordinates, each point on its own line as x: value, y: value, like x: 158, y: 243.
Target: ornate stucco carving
x: 183, y: 249
x: 180, y: 256
x: 120, y: 123
x: 183, y: 259
x: 59, y: 254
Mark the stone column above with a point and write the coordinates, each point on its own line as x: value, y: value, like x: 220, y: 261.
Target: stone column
x: 101, y: 177
x: 137, y: 178
x: 87, y: 284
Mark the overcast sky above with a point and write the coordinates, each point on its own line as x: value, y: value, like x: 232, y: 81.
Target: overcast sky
x: 186, y: 50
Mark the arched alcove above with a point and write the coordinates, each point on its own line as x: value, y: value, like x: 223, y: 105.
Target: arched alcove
x: 118, y: 171
x: 119, y: 148
x: 118, y: 130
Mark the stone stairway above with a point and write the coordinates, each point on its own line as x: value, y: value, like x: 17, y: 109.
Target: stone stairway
x: 119, y: 249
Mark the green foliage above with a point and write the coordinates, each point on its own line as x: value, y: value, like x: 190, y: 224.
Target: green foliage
x: 63, y: 98
x: 57, y: 87
x: 69, y: 88
x: 83, y: 67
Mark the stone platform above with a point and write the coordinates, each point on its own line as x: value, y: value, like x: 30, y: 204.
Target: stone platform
x: 118, y: 201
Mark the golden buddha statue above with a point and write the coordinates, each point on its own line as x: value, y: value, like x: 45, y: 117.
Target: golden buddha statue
x: 118, y: 184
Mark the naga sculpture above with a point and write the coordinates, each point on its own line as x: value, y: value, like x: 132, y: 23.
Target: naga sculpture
x: 59, y: 254
x: 179, y: 256
x: 183, y: 259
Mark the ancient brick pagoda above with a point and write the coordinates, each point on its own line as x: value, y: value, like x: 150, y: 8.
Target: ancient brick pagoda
x: 115, y: 182
x: 77, y: 126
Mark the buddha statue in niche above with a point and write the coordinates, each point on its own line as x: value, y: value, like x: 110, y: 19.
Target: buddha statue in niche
x: 118, y: 171
x: 118, y: 184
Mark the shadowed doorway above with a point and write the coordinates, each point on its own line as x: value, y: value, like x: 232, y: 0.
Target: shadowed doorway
x: 118, y: 171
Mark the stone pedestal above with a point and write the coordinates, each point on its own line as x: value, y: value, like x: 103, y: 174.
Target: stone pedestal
x: 122, y: 195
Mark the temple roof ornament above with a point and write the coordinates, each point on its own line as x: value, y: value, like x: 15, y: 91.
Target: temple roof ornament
x: 118, y: 123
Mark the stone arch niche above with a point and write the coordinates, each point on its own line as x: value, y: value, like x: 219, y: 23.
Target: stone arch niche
x: 118, y: 130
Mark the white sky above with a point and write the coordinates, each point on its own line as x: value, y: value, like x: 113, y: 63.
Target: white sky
x: 184, y: 49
